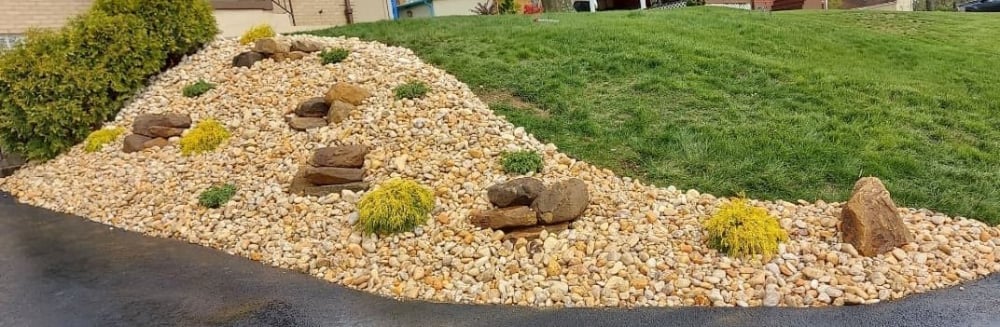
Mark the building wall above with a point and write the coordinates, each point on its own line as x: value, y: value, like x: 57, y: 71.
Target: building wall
x: 16, y: 16
x: 455, y: 7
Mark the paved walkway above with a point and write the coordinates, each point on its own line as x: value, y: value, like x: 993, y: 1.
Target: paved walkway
x: 60, y: 270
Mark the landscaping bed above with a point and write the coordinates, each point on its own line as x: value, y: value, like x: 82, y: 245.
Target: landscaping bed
x: 634, y: 245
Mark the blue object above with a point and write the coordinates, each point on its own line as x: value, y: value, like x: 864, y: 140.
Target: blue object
x: 396, y: 7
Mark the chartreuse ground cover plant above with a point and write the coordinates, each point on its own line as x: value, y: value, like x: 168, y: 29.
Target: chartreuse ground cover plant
x: 257, y: 32
x: 59, y: 85
x: 742, y: 230
x: 204, y: 137
x: 333, y: 56
x: 396, y: 206
x: 521, y: 162
x: 216, y: 196
x: 789, y: 105
x: 96, y: 140
x: 198, y: 88
x: 412, y: 90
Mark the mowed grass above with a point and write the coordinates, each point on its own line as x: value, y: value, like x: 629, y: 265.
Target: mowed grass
x: 791, y: 105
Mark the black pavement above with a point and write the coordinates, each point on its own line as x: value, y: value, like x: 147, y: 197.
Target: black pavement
x: 61, y: 270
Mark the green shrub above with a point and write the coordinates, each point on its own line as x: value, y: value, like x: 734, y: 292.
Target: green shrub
x: 216, y: 196
x: 396, y: 206
x: 198, y: 88
x: 96, y: 140
x: 56, y: 87
x: 743, y: 230
x: 521, y: 162
x: 206, y: 136
x: 257, y: 32
x: 412, y: 90
x: 183, y: 26
x: 333, y: 56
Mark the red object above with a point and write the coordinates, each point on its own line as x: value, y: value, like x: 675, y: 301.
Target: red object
x: 531, y: 9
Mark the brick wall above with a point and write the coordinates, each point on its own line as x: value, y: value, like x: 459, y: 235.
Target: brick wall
x: 16, y: 16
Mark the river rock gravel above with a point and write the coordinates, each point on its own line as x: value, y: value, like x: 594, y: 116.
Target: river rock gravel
x: 636, y: 244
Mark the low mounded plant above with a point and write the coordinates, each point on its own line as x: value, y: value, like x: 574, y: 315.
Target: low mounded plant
x: 96, y: 140
x: 740, y: 229
x: 216, y: 196
x: 396, y: 206
x: 521, y: 162
x: 257, y: 32
x: 198, y: 88
x: 333, y: 56
x: 412, y: 90
x: 204, y: 137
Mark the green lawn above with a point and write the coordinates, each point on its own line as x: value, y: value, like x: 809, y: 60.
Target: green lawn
x: 791, y: 105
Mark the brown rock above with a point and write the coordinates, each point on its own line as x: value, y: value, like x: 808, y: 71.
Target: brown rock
x: 505, y: 217
x: 347, y: 156
x: 306, y: 46
x: 302, y: 186
x: 144, y: 124
x: 530, y: 233
x: 329, y: 175
x: 562, y: 201
x: 247, y: 59
x: 269, y: 46
x: 305, y: 123
x: 158, y: 142
x: 349, y: 93
x: 339, y: 110
x: 165, y: 132
x: 869, y: 220
x: 296, y: 55
x: 516, y: 192
x: 313, y: 107
x: 135, y: 143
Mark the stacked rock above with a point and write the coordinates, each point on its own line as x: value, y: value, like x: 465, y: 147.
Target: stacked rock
x: 526, y: 207
x: 332, y: 170
x: 277, y: 50
x: 154, y: 130
x: 333, y: 108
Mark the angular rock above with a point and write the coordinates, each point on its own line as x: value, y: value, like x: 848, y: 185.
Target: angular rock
x: 505, y: 217
x: 347, y: 156
x: 270, y: 46
x: 869, y: 220
x: 247, y: 59
x: 305, y: 123
x: 144, y: 124
x: 345, y: 92
x: 530, y: 233
x: 296, y: 55
x: 307, y: 46
x: 329, y: 175
x: 562, y: 201
x: 313, y: 107
x: 282, y: 56
x: 516, y: 192
x: 165, y: 132
x: 135, y: 143
x: 158, y: 142
x: 339, y: 111
x: 302, y: 186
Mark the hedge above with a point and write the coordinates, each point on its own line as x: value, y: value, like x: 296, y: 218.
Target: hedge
x: 58, y: 86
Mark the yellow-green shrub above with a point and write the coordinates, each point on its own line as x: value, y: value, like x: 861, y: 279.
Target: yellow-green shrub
x: 255, y: 33
x: 204, y: 137
x: 740, y: 229
x: 96, y: 140
x: 396, y: 206
x: 182, y: 26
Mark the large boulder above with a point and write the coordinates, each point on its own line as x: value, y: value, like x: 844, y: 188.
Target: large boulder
x: 165, y: 132
x: 332, y: 175
x: 339, y: 110
x: 135, y: 143
x: 270, y: 46
x: 247, y: 59
x: 347, y: 156
x: 562, y: 201
x: 307, y: 46
x: 533, y: 232
x: 152, y: 125
x: 346, y: 92
x: 869, y: 220
x: 313, y: 107
x: 505, y: 217
x: 516, y: 192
